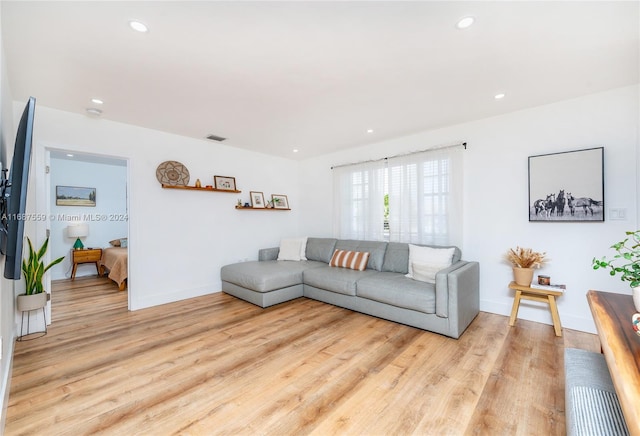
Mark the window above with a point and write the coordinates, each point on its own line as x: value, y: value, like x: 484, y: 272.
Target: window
x: 415, y: 198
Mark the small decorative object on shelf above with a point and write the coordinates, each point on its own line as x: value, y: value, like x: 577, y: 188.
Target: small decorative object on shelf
x: 198, y: 183
x: 172, y: 172
x: 280, y: 201
x: 523, y: 261
x: 224, y: 183
x: 257, y: 200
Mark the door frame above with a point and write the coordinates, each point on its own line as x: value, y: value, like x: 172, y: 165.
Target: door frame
x: 42, y: 186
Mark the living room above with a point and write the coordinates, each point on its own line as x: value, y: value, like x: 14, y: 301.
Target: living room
x: 179, y: 240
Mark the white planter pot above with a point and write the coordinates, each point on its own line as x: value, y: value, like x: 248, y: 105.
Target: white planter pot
x: 31, y: 302
x: 635, y: 292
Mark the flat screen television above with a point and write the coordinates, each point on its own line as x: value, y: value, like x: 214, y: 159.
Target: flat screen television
x: 14, y: 195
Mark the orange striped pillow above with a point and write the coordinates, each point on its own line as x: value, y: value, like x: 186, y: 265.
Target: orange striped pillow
x: 350, y: 259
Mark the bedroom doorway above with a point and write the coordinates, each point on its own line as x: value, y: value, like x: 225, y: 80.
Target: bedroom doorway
x: 102, y: 217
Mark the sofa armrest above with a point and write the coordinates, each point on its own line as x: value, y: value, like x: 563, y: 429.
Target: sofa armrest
x: 268, y: 253
x: 442, y: 288
x: 461, y: 277
x: 464, y: 296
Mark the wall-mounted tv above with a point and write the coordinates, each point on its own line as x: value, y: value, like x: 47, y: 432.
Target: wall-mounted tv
x: 13, y: 200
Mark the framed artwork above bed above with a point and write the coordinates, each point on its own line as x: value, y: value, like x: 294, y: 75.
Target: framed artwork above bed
x: 75, y: 196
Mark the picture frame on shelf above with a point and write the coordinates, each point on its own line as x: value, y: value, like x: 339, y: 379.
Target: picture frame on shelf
x: 567, y: 186
x: 75, y: 196
x: 280, y: 201
x: 257, y: 200
x: 224, y: 183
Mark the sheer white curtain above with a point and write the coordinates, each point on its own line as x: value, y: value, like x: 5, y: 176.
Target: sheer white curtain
x: 425, y: 197
x: 359, y: 201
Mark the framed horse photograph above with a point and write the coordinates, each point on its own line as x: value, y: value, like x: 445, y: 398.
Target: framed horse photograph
x: 567, y: 186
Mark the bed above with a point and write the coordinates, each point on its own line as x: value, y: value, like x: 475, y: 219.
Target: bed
x: 115, y: 260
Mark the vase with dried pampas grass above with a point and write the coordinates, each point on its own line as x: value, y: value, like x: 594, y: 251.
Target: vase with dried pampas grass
x: 524, y: 261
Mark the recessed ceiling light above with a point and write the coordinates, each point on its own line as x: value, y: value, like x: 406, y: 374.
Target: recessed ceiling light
x: 93, y: 111
x: 97, y: 101
x: 499, y: 96
x: 295, y: 150
x: 138, y: 26
x: 369, y: 130
x: 465, y: 22
x: 69, y: 155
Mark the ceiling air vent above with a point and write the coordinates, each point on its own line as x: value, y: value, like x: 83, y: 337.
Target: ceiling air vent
x: 216, y: 138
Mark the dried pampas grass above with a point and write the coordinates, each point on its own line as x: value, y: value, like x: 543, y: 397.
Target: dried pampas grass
x: 525, y: 258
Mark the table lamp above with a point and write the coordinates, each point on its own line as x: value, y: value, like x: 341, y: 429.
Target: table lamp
x: 78, y: 231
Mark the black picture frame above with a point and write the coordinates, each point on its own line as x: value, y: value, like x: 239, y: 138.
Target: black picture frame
x: 567, y: 186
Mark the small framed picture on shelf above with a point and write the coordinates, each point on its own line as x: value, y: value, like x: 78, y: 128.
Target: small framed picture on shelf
x: 280, y: 201
x: 257, y: 200
x: 224, y: 183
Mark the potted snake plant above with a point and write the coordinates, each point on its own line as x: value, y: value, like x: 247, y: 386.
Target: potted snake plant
x: 626, y: 263
x: 33, y: 270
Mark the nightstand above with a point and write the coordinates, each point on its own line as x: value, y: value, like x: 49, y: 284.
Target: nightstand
x: 86, y: 255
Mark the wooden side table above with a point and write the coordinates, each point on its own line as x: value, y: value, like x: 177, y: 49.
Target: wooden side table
x: 542, y: 295
x: 86, y: 255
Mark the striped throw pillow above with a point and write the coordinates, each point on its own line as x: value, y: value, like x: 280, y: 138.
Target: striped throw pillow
x: 350, y: 259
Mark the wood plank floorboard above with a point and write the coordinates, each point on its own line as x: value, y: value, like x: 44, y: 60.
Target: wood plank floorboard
x: 218, y: 365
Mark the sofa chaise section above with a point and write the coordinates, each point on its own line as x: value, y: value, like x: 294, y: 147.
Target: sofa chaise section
x: 265, y: 283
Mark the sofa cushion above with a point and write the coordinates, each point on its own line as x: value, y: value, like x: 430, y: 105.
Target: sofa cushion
x: 293, y: 249
x: 339, y: 280
x: 397, y: 290
x: 267, y: 275
x: 350, y: 259
x: 429, y: 261
x: 376, y: 250
x: 396, y: 259
x: 320, y: 249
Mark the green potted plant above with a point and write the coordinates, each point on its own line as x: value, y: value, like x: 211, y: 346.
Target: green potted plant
x: 523, y: 261
x: 33, y: 270
x: 626, y: 263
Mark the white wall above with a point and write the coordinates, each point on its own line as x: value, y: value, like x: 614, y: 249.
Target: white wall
x: 110, y: 182
x: 178, y: 239
x: 7, y: 330
x: 496, y: 191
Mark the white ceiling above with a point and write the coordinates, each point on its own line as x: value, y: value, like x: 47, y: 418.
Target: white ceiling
x: 314, y: 76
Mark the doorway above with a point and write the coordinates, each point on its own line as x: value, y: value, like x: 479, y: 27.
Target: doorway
x: 104, y: 217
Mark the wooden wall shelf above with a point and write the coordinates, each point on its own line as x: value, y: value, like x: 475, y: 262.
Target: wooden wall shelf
x: 260, y: 208
x: 193, y: 188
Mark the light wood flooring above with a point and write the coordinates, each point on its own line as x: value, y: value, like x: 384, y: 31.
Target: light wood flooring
x: 218, y: 365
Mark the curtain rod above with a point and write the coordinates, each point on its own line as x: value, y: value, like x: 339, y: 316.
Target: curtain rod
x: 464, y: 144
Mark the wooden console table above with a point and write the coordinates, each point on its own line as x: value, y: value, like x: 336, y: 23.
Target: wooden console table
x: 621, y: 347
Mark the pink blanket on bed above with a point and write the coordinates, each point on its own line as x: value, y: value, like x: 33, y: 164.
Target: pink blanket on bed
x: 115, y: 259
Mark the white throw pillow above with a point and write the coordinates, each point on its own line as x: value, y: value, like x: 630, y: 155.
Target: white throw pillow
x: 293, y: 249
x: 425, y: 262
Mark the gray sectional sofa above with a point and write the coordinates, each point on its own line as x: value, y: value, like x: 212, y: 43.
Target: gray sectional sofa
x: 382, y: 289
